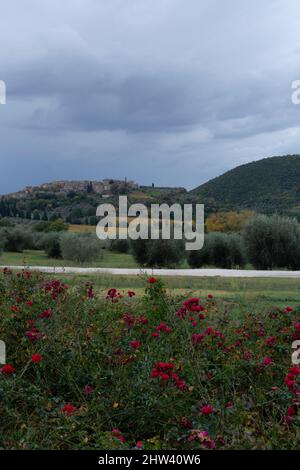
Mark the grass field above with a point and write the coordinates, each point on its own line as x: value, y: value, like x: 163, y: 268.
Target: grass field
x: 239, y: 294
x: 108, y: 259
x: 255, y: 291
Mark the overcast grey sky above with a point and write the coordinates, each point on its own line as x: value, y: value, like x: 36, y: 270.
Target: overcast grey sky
x: 167, y: 91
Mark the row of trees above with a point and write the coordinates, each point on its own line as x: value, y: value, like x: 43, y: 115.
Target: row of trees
x: 69, y: 246
x: 266, y: 243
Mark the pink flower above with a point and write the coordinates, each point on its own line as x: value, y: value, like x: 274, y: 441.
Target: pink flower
x: 267, y: 361
x: 118, y: 435
x: 270, y: 341
x: 207, y: 410
x: 229, y: 404
x: 88, y: 390
x: 203, y: 437
x: 34, y: 334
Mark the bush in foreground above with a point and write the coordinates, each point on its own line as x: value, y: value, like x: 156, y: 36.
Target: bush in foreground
x: 118, y: 370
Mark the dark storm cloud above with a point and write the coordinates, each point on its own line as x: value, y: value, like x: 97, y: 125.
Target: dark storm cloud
x: 168, y: 91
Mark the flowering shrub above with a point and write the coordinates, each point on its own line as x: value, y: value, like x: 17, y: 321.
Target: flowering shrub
x: 118, y: 370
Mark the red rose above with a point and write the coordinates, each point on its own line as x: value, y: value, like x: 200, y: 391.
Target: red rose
x: 152, y: 280
x: 68, y: 409
x: 8, y: 369
x: 291, y: 411
x: 36, y: 358
x: 118, y: 435
x: 135, y: 344
x: 46, y: 313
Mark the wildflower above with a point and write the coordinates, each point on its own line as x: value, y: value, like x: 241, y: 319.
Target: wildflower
x: 195, y: 308
x: 186, y: 423
x: 46, y: 313
x: 290, y: 381
x: 164, y: 376
x: 209, y: 330
x: 247, y: 355
x: 164, y: 370
x: 210, y: 296
x: 291, y: 411
x: 135, y: 344
x: 297, y: 327
x: 163, y: 327
x: 34, y: 334
x: 270, y: 341
x: 143, y: 320
x: 267, y: 361
x: 207, y: 410
x: 197, y: 338
x: 155, y: 335
x: 129, y: 319
x: 88, y: 390
x: 139, y: 445
x: 118, y: 435
x: 8, y: 369
x: 152, y: 280
x: 131, y: 293
x: 36, y: 358
x: 68, y: 409
x: 112, y: 294
x: 192, y: 302
x: 14, y: 308
x: 90, y: 293
x: 229, y: 405
x: 203, y: 437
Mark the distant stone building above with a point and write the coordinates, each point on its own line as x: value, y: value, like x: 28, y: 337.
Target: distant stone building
x: 63, y: 187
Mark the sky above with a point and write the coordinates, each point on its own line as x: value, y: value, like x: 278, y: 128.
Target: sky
x: 170, y: 92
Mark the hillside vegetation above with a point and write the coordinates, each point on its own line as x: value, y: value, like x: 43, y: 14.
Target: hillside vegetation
x: 268, y: 185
